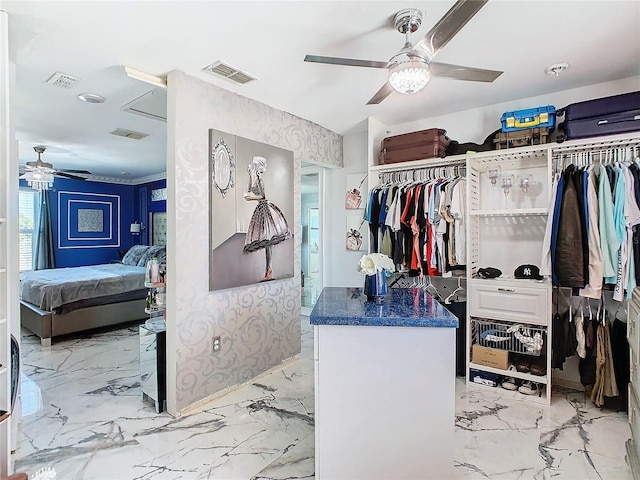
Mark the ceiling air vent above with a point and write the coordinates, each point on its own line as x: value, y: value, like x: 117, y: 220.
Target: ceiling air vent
x: 230, y: 73
x: 62, y: 80
x: 121, y: 132
x: 152, y: 104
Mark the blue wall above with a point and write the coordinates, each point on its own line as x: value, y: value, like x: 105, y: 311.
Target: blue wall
x: 144, y: 206
x: 120, y: 205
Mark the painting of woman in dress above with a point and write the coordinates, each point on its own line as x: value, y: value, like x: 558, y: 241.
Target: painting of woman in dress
x: 268, y: 225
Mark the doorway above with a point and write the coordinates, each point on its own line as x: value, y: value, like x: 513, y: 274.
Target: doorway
x: 311, y: 228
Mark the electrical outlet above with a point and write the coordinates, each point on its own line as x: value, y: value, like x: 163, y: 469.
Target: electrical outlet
x: 216, y: 344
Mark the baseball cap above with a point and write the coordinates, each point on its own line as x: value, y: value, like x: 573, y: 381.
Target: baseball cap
x: 528, y: 271
x: 489, y: 272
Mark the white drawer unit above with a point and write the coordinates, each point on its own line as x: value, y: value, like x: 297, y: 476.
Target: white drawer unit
x: 514, y: 301
x: 633, y: 337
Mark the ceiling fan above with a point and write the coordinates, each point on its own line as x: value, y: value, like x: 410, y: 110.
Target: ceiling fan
x: 34, y: 171
x: 411, y: 68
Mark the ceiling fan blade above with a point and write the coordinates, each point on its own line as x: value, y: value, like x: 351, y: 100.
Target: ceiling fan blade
x: 68, y: 175
x: 67, y: 170
x: 381, y: 94
x: 447, y: 27
x: 463, y: 73
x: 351, y: 62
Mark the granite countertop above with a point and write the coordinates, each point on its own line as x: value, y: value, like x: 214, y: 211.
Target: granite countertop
x: 401, y: 307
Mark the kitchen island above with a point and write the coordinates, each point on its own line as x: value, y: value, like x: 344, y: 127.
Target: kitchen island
x: 384, y: 385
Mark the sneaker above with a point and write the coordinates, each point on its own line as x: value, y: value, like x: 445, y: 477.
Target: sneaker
x: 509, y: 383
x: 528, y: 388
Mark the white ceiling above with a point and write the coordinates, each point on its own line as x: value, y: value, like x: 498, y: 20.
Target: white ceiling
x: 93, y: 40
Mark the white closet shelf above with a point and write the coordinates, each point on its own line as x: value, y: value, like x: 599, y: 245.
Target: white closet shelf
x: 3, y: 220
x: 515, y: 212
x: 419, y: 164
x: 513, y: 394
x: 3, y: 320
x: 508, y: 373
x: 3, y: 370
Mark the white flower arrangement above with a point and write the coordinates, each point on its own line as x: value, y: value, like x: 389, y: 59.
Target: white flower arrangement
x: 375, y: 262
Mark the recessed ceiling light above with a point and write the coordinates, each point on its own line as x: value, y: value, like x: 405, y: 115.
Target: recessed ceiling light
x: 556, y: 68
x: 91, y: 98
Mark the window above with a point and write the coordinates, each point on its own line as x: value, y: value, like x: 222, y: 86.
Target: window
x: 27, y: 210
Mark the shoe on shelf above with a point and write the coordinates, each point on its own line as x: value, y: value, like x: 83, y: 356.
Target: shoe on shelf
x: 522, y: 363
x: 539, y: 366
x: 509, y: 383
x: 528, y: 388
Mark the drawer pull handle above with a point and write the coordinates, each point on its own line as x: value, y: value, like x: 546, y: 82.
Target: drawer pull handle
x: 506, y: 290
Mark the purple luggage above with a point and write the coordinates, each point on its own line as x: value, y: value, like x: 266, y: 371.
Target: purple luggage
x: 602, y: 116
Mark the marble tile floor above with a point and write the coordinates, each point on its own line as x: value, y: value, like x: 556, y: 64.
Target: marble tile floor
x: 83, y: 416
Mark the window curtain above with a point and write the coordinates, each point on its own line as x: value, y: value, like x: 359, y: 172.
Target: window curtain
x: 43, y: 254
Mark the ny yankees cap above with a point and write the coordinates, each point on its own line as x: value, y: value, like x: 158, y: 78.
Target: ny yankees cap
x: 528, y: 271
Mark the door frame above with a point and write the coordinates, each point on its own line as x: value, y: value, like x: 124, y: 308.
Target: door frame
x: 320, y: 171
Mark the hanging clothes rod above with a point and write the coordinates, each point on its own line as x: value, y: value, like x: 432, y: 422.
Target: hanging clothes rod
x: 416, y: 165
x: 597, y: 146
x: 424, y: 172
x: 603, y: 155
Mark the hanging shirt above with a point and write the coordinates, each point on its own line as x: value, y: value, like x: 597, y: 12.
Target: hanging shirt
x: 594, y: 288
x: 619, y: 222
x: 609, y: 242
x: 545, y: 264
x: 458, y: 211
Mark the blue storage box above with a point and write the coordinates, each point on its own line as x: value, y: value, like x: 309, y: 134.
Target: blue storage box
x: 484, y: 378
x: 529, y: 118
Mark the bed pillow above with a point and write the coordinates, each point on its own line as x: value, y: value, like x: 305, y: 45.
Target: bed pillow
x: 135, y: 253
x: 160, y: 252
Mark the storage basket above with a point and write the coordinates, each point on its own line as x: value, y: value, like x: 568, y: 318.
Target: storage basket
x: 514, y: 337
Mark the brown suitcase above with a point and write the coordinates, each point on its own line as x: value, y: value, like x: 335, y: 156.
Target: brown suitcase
x: 424, y: 144
x: 521, y: 138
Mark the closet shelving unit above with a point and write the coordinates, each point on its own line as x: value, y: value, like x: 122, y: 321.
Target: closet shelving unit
x: 505, y: 229
x: 506, y: 235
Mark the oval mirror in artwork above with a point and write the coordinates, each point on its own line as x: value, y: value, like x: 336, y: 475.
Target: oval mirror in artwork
x: 222, y: 167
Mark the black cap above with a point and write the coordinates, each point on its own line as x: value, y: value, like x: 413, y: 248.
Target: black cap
x: 528, y: 271
x: 489, y: 272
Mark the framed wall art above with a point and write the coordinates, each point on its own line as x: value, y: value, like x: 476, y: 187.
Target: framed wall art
x: 251, y: 211
x: 356, y: 194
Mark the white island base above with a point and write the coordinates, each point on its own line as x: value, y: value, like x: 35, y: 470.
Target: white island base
x: 385, y: 400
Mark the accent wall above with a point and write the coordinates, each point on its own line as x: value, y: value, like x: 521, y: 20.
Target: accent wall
x: 91, y: 220
x: 259, y: 325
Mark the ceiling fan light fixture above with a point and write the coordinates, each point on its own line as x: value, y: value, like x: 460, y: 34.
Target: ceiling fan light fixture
x: 409, y: 77
x: 39, y: 178
x: 39, y: 174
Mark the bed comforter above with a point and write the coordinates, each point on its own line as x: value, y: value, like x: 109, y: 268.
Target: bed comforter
x: 53, y: 288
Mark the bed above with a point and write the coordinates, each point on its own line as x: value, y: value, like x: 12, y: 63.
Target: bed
x: 61, y: 301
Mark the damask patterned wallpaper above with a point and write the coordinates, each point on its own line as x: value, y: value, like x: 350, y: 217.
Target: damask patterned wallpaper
x: 259, y: 325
